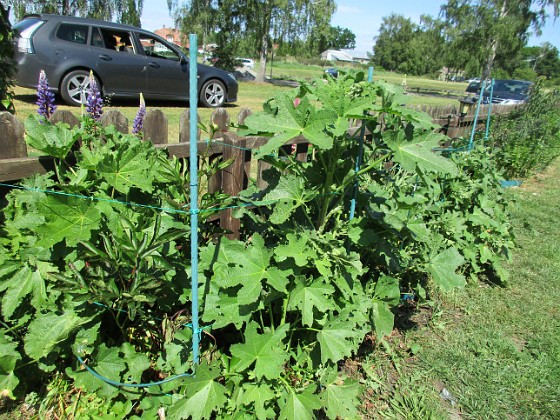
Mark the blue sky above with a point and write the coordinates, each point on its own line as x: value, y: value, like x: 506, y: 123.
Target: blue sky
x: 362, y: 17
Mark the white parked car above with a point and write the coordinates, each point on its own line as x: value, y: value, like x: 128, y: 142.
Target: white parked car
x: 246, y: 62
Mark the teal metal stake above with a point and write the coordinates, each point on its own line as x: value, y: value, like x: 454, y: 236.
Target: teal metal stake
x: 471, y: 140
x: 193, y: 166
x: 359, y: 158
x: 489, y: 111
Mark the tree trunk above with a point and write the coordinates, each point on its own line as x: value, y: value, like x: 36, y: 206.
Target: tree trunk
x: 264, y: 51
x: 487, y: 71
x: 267, y: 13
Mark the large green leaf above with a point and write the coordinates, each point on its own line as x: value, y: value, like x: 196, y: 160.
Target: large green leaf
x: 204, y: 396
x: 9, y: 356
x: 292, y: 121
x: 286, y: 197
x: 341, y: 399
x: 108, y: 363
x: 259, y: 395
x: 27, y: 280
x: 67, y: 218
x: 54, y: 140
x: 443, y: 269
x: 300, y: 405
x: 266, y: 351
x: 306, y: 297
x: 247, y: 267
x: 337, y: 340
x: 296, y: 248
x: 131, y: 166
x: 136, y: 363
x: 419, y: 153
x: 49, y: 330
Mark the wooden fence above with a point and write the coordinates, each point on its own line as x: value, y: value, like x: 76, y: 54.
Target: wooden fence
x: 15, y: 164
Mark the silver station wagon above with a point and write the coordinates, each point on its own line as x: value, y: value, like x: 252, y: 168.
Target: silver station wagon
x: 125, y: 61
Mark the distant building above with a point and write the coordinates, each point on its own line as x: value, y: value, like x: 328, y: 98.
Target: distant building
x: 173, y: 36
x: 336, y: 55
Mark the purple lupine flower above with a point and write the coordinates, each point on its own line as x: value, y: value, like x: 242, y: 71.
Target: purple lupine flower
x: 138, y: 123
x: 94, y: 102
x: 45, y: 98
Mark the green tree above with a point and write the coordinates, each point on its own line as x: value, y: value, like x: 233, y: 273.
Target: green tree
x: 124, y: 11
x: 257, y: 22
x: 392, y: 45
x: 7, y: 64
x: 491, y: 32
x: 547, y: 62
x: 337, y: 38
x: 409, y: 48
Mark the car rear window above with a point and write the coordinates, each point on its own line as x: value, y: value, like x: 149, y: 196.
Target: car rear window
x: 22, y: 25
x: 73, y: 33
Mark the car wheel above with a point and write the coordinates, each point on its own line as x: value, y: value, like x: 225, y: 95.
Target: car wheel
x: 213, y: 94
x: 74, y: 87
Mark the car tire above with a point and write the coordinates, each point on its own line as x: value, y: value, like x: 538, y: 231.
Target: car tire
x: 74, y: 87
x: 213, y: 94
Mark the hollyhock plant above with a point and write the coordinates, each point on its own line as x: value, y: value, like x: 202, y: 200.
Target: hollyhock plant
x: 94, y: 102
x: 138, y: 123
x: 45, y: 98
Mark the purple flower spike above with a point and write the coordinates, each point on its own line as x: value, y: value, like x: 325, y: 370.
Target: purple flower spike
x: 94, y: 102
x: 45, y: 98
x: 138, y: 123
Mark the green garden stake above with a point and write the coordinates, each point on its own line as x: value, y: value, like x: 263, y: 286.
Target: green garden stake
x: 193, y: 166
x: 471, y: 140
x: 489, y: 111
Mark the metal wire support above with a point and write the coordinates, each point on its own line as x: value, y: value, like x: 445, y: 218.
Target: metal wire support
x: 193, y: 170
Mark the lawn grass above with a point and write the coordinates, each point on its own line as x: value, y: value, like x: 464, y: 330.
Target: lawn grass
x: 493, y: 351
x: 252, y: 95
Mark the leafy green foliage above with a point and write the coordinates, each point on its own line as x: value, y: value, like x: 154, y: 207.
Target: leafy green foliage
x: 527, y: 141
x: 86, y: 271
x: 8, y: 69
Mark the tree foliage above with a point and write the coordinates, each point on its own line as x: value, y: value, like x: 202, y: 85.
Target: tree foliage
x: 409, y: 48
x: 260, y: 24
x: 491, y: 32
x: 470, y: 36
x: 7, y: 67
x: 123, y: 11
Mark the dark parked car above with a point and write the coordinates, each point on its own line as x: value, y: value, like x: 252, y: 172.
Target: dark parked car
x: 506, y: 92
x: 125, y: 61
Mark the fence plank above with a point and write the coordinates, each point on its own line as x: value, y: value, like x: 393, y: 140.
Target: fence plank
x: 23, y: 167
x: 116, y: 118
x: 12, y: 137
x: 66, y: 117
x: 185, y: 127
x: 233, y: 180
x: 156, y: 127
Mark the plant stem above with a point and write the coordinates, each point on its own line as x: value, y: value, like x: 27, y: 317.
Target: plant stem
x: 326, y: 189
x: 271, y: 315
x: 284, y: 310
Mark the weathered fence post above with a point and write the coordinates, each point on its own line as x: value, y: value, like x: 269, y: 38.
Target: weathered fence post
x: 156, y: 127
x: 185, y: 127
x: 64, y: 116
x: 243, y: 114
x: 116, y: 118
x: 233, y: 180
x: 12, y: 137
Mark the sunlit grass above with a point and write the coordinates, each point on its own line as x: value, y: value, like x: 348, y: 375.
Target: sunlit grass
x: 252, y: 95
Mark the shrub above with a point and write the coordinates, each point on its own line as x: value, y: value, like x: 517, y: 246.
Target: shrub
x: 8, y: 66
x: 528, y: 140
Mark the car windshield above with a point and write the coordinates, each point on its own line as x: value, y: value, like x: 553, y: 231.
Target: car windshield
x: 511, y: 86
